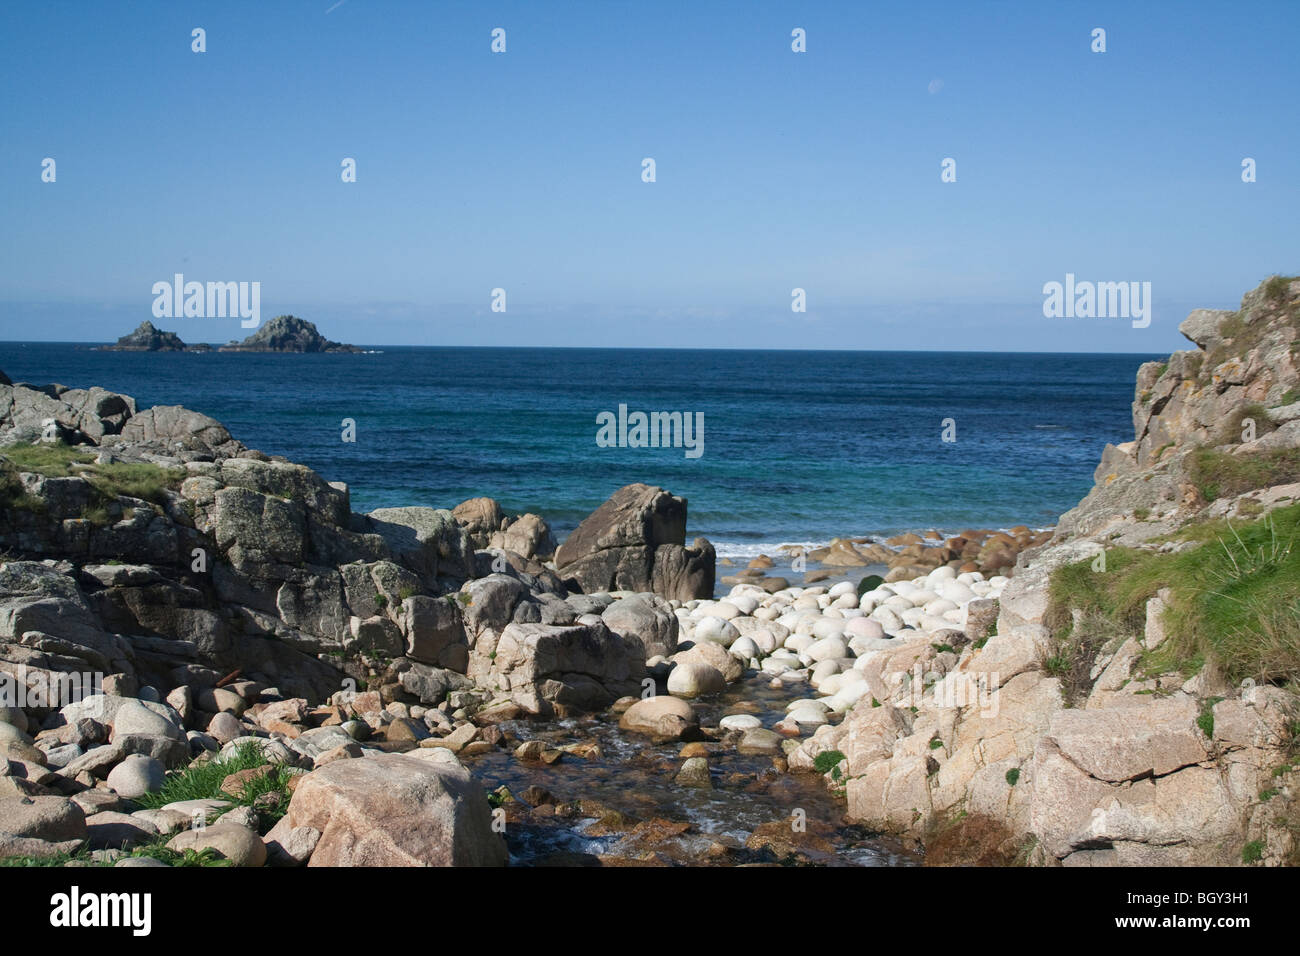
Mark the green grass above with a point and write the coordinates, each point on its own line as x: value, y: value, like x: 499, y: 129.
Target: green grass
x: 1234, y: 602
x: 1218, y: 474
x: 1275, y: 289
x: 1241, y: 335
x: 1206, y: 718
x: 58, y: 460
x: 1252, y: 852
x: 202, y: 781
x: 157, y: 850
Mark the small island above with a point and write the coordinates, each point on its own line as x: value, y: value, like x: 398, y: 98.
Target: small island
x: 284, y: 333
x: 288, y: 333
x: 147, y: 338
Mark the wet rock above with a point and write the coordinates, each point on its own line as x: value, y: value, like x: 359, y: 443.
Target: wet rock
x: 695, y: 773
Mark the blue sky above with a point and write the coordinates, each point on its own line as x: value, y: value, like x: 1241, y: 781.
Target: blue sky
x: 522, y: 170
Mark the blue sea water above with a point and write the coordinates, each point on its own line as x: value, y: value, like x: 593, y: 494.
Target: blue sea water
x: 799, y: 446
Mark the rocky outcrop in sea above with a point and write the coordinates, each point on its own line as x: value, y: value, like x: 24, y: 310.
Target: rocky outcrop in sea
x: 288, y: 333
x: 146, y: 338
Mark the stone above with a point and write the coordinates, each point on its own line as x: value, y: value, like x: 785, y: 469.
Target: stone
x: 1159, y: 737
x: 428, y: 541
x: 668, y: 718
x: 194, y: 810
x: 290, y: 846
x: 225, y: 727
x: 695, y: 773
x: 433, y: 630
x: 648, y: 618
x: 238, y: 844
x: 618, y: 548
x: 137, y: 775
x: 695, y: 679
x: 397, y: 810
x: 115, y: 831
x: 548, y: 669
x: 42, y: 818
x: 757, y: 740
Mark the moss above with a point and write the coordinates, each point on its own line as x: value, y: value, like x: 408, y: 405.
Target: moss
x: 1013, y: 776
x: 869, y: 583
x: 828, y: 761
x: 1252, y: 852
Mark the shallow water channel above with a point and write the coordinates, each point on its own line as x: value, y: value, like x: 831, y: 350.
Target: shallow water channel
x: 621, y: 804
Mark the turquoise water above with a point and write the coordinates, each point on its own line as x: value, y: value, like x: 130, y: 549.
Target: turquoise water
x: 798, y: 446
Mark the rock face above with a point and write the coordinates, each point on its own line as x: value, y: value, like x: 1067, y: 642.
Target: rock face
x: 287, y: 333
x: 1244, y: 365
x: 1144, y: 768
x: 635, y: 541
x: 146, y: 338
x: 396, y: 810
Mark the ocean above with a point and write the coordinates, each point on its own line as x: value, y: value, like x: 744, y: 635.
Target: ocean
x: 798, y: 446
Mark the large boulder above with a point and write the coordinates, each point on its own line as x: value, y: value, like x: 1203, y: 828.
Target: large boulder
x: 429, y: 541
x: 648, y: 618
x: 481, y: 518
x: 685, y: 573
x: 397, y: 810
x: 175, y: 428
x: 42, y: 818
x: 617, y: 546
x: 434, y: 633
x: 528, y: 535
x: 81, y: 415
x: 549, y: 669
x: 663, y: 718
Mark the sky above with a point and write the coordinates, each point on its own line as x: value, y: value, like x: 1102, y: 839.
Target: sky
x: 775, y: 170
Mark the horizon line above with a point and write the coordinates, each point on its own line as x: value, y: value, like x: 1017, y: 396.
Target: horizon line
x: 215, y: 349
